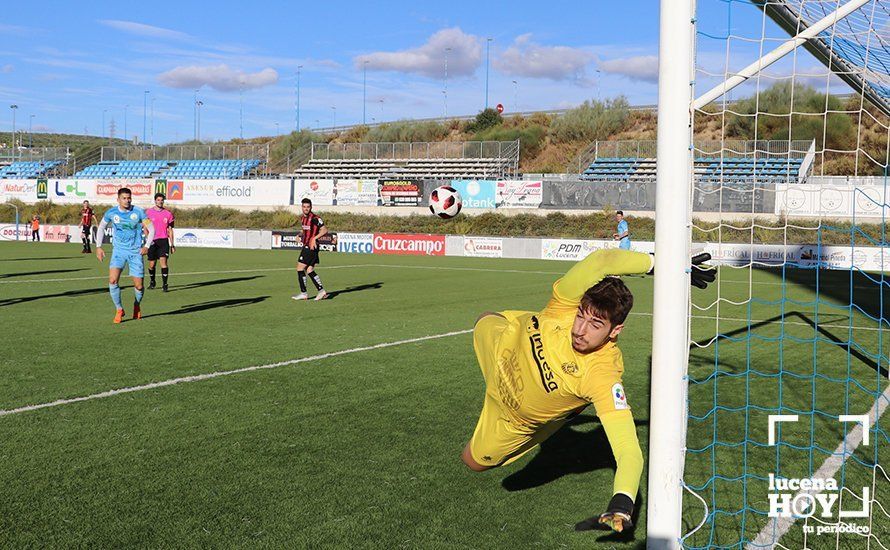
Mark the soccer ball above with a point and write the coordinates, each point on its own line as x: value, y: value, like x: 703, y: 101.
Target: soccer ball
x: 445, y: 202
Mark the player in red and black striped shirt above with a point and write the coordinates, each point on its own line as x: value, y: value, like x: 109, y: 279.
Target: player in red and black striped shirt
x: 87, y: 221
x: 313, y: 228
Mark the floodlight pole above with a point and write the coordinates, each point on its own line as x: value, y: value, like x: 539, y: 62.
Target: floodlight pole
x: 670, y: 323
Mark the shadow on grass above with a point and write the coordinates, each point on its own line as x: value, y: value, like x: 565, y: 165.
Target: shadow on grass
x: 214, y: 282
x: 45, y: 272
x: 41, y: 259
x: 571, y: 451
x: 827, y: 334
x: 214, y: 304
x: 357, y: 288
x: 67, y: 294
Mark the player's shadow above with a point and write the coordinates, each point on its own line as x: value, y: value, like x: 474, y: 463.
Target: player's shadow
x: 67, y: 294
x: 40, y: 259
x: 568, y: 451
x: 214, y: 282
x: 213, y: 304
x: 358, y: 288
x: 44, y: 272
x: 573, y: 451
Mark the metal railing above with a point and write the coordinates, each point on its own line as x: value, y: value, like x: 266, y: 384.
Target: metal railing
x: 642, y: 149
x: 417, y: 151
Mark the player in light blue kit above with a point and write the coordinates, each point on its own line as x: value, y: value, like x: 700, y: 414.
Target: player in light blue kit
x: 623, y: 235
x: 127, y: 248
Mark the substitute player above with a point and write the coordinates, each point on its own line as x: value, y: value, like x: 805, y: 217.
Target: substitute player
x: 126, y: 221
x: 162, y: 246
x: 87, y: 221
x: 313, y: 228
x: 543, y: 368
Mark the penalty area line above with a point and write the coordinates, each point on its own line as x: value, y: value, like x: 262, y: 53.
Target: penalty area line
x: 217, y: 374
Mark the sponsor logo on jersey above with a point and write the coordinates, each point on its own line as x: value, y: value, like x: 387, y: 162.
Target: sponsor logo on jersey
x: 570, y: 368
x: 619, y: 397
x: 547, y: 378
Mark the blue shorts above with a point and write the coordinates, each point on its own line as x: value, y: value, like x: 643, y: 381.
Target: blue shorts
x: 624, y: 244
x: 131, y: 258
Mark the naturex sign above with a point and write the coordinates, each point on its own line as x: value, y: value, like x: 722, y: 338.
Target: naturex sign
x: 355, y: 243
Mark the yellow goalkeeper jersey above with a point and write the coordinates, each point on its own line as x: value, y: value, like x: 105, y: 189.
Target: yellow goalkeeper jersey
x: 540, y: 376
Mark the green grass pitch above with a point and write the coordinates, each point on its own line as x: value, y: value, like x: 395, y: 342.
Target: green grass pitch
x: 361, y: 449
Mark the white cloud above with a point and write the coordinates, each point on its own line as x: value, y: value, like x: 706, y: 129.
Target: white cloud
x: 526, y: 58
x: 429, y: 60
x: 6, y: 69
x: 642, y: 67
x: 218, y: 77
x: 141, y: 29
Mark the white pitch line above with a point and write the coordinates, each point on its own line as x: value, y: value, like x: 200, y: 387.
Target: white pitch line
x: 187, y: 273
x: 208, y: 376
x: 773, y: 531
x: 199, y: 377
x: 398, y: 266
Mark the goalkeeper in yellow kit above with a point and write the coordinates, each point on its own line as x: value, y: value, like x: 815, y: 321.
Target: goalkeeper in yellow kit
x: 543, y: 368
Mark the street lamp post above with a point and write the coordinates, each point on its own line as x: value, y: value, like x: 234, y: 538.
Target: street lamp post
x: 152, y: 134
x: 334, y: 119
x: 14, y: 109
x: 125, y: 121
x: 195, y: 117
x: 241, y: 110
x: 31, y: 131
x: 103, y: 122
x: 487, y: 57
x: 198, y: 106
x: 445, y: 91
x: 299, y: 68
x: 515, y: 96
x: 277, y: 131
x: 145, y: 115
x: 365, y: 92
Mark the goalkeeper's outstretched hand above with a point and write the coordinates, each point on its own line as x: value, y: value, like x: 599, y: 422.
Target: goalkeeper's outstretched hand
x: 617, y: 517
x: 702, y: 274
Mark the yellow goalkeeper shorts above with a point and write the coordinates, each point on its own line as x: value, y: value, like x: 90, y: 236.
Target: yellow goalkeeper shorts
x: 499, y: 440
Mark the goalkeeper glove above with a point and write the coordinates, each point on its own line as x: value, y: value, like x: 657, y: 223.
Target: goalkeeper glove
x: 617, y: 517
x: 701, y: 274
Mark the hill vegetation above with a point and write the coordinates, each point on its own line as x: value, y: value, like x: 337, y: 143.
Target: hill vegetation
x: 854, y: 139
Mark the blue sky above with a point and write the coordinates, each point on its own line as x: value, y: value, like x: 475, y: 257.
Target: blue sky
x: 66, y: 63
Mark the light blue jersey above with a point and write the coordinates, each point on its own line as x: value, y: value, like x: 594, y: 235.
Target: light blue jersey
x: 126, y: 232
x: 624, y: 243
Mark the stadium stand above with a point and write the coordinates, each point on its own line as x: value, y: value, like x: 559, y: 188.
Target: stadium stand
x: 28, y: 169
x: 211, y: 169
x: 182, y: 169
x: 413, y: 168
x: 124, y: 169
x: 707, y: 169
